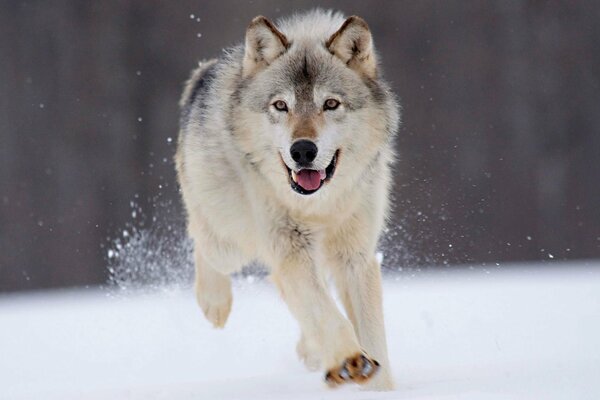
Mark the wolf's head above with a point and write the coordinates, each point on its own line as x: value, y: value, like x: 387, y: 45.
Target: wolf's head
x: 312, y: 110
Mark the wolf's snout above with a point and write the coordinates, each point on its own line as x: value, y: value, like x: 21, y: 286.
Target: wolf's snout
x: 304, y: 152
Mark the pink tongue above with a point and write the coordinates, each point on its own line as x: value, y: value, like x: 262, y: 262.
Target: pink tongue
x: 309, y: 179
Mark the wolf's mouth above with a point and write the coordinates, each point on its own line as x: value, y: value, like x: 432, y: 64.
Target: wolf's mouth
x: 308, y: 181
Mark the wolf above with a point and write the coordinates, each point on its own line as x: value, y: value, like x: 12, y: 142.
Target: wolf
x: 284, y: 156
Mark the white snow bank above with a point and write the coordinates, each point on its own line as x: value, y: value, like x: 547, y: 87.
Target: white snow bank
x: 511, y: 334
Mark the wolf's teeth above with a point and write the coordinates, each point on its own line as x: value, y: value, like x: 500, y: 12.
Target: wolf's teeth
x: 294, y: 176
x: 322, y: 174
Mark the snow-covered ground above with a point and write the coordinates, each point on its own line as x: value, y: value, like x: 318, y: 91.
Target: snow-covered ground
x: 514, y: 333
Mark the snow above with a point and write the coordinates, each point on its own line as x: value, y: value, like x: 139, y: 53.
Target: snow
x: 516, y: 333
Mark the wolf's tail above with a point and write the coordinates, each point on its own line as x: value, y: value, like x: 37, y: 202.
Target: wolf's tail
x: 196, y: 81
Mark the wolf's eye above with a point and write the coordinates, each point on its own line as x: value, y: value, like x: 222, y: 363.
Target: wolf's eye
x: 331, y: 104
x: 280, y: 105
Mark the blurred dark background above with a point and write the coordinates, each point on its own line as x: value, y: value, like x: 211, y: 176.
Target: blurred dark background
x: 499, y: 149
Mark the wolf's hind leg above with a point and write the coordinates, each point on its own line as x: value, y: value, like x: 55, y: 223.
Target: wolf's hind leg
x: 309, y: 352
x: 213, y: 291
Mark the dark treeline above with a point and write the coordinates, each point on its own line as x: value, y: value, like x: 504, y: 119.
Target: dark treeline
x: 498, y: 154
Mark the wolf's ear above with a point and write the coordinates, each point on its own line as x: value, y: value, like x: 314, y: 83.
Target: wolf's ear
x: 264, y: 43
x: 353, y: 44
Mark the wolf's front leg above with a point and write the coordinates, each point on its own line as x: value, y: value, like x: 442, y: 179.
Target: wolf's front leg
x: 359, y: 283
x: 213, y: 291
x: 306, y: 295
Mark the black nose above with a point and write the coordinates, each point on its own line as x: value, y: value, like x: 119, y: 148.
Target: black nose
x: 304, y: 152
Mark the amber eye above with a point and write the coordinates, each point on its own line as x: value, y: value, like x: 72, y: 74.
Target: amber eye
x: 280, y: 105
x: 331, y: 104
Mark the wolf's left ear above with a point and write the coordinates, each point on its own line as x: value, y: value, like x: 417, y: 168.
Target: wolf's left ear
x: 264, y: 43
x: 353, y: 44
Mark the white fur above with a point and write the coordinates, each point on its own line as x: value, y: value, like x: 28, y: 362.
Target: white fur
x: 238, y: 213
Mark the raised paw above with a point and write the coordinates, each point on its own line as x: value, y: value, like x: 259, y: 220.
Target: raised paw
x: 358, y: 368
x: 215, y: 301
x: 216, y: 313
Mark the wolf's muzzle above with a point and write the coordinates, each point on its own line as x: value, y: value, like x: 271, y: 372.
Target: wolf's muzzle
x: 303, y: 152
x: 308, y: 181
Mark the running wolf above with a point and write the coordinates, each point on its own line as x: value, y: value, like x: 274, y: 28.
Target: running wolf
x: 284, y: 156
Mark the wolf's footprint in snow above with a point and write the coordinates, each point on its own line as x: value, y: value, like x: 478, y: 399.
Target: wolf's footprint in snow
x: 358, y: 368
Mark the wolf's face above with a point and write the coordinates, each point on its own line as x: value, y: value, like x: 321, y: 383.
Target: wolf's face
x: 314, y: 111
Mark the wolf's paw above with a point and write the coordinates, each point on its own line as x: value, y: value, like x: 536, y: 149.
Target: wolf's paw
x: 358, y: 368
x: 308, y: 354
x: 215, y: 301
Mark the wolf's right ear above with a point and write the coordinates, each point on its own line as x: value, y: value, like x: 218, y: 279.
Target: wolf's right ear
x: 264, y: 43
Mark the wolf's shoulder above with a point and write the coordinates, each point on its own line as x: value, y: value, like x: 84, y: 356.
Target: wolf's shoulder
x: 198, y: 81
